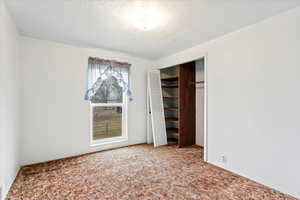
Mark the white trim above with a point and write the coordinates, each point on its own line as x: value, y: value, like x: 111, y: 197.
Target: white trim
x: 205, y: 157
x: 108, y: 141
x: 124, y: 137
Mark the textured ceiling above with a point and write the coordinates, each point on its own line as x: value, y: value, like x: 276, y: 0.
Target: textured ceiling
x: 104, y: 23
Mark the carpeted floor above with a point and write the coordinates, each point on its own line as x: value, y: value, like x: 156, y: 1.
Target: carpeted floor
x: 137, y: 172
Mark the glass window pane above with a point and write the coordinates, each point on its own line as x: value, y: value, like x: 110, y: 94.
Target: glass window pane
x: 107, y: 122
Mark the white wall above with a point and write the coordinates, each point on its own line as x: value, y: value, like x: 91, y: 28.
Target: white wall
x: 253, y: 100
x: 56, y: 118
x: 9, y: 100
x: 252, y: 77
x: 200, y: 103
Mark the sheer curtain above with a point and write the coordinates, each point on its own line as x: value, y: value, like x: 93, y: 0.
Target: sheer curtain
x: 107, y: 81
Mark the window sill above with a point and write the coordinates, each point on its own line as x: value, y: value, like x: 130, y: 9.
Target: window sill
x: 96, y: 143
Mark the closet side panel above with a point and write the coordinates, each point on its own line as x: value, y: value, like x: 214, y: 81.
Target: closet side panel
x: 187, y: 104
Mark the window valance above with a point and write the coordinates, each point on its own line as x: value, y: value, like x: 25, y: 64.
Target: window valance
x: 107, y: 81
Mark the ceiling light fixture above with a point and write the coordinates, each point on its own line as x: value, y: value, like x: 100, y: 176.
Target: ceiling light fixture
x: 146, y: 18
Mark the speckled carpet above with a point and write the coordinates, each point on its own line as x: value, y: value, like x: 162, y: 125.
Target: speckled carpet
x: 137, y: 172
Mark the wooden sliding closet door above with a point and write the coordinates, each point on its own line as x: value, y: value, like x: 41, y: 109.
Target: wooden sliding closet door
x: 187, y: 104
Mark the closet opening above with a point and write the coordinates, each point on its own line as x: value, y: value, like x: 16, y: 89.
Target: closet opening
x: 183, y: 89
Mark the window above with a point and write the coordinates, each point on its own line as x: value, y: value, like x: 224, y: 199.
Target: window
x: 107, y: 89
x: 108, y: 122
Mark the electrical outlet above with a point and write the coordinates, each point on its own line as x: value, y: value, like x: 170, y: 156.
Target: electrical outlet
x: 224, y: 159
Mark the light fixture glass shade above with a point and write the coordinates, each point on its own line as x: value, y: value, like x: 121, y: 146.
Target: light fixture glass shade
x: 146, y: 18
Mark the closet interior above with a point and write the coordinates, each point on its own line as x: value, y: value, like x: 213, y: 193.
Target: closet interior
x: 179, y: 101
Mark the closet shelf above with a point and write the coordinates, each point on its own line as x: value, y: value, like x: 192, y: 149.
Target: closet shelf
x: 170, y: 97
x: 172, y: 141
x: 172, y: 119
x: 172, y: 130
x: 169, y: 86
x: 171, y: 108
x: 170, y: 78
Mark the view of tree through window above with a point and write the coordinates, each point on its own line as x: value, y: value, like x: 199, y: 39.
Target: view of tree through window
x: 109, y: 92
x: 107, y: 122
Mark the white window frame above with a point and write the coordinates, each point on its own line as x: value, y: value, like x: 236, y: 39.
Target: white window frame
x: 124, y: 136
